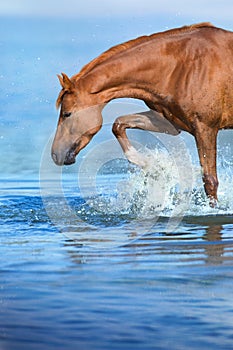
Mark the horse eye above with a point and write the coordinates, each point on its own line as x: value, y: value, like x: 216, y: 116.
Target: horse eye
x: 66, y: 114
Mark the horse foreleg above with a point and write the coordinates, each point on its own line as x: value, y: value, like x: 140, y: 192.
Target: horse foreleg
x: 119, y: 130
x: 206, y: 140
x: 149, y: 120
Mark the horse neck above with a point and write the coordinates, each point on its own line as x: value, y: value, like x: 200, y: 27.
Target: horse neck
x: 117, y: 79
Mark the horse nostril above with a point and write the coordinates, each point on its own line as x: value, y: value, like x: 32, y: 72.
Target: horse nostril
x: 54, y: 156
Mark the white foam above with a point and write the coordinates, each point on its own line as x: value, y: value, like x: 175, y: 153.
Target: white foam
x: 168, y: 186
x: 162, y: 186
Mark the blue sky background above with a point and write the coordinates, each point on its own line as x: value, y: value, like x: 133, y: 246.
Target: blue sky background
x: 193, y: 10
x: 76, y: 8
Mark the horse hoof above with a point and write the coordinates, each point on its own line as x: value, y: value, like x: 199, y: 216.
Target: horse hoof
x: 213, y: 202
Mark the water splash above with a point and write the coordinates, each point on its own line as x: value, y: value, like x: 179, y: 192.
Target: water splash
x: 159, y: 188
x: 164, y: 188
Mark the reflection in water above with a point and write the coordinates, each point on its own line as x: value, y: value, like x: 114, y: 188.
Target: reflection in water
x: 180, y: 248
x: 214, y: 250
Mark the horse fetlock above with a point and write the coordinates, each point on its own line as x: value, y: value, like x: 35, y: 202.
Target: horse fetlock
x: 135, y: 157
x: 211, y: 186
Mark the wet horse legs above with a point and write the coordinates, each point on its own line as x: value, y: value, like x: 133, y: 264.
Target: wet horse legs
x: 206, y: 140
x: 205, y: 136
x: 150, y: 120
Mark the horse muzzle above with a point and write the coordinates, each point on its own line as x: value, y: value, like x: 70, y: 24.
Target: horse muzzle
x: 65, y: 157
x: 70, y: 156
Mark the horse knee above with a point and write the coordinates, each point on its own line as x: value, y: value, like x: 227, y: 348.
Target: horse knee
x: 118, y: 127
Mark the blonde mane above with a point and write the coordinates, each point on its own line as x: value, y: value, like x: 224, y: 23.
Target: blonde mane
x: 131, y: 43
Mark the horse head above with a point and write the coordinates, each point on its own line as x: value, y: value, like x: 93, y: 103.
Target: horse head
x: 78, y: 122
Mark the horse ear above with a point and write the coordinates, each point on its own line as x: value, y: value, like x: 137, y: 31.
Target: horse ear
x: 60, y: 79
x: 65, y: 82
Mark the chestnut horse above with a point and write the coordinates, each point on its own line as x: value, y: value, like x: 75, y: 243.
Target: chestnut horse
x: 185, y: 77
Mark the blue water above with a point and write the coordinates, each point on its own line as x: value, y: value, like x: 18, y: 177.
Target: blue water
x: 89, y: 259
